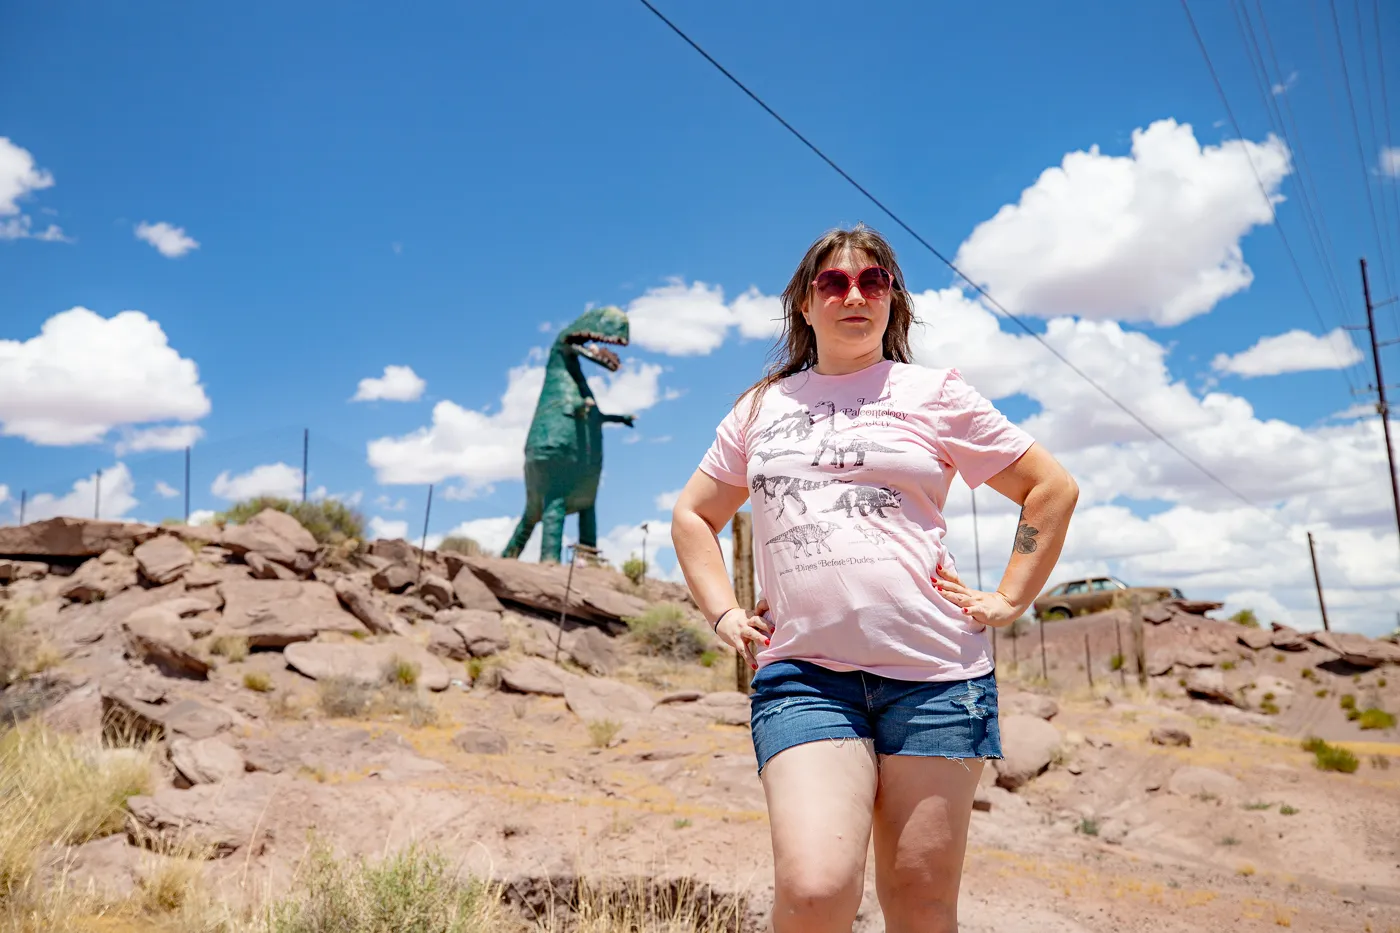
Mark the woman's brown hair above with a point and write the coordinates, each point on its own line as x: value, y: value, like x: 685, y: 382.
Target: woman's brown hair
x: 797, y: 350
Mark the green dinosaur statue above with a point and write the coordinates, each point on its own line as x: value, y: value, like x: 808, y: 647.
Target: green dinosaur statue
x: 564, y: 450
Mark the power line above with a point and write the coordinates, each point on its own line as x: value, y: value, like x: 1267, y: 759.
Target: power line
x: 1254, y: 52
x: 1235, y: 123
x: 1394, y: 200
x: 1356, y: 135
x: 996, y: 305
x: 1375, y: 144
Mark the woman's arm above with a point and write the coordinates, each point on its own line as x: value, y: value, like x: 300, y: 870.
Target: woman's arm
x: 705, y: 506
x: 1047, y: 495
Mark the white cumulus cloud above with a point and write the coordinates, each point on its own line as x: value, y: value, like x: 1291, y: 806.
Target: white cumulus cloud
x: 693, y: 320
x: 268, y: 479
x: 481, y: 448
x: 165, y: 490
x: 398, y: 384
x: 20, y: 177
x: 387, y: 528
x: 1390, y: 161
x: 170, y: 241
x: 114, y: 488
x: 1294, y: 352
x: 165, y: 437
x: 84, y: 374
x: 1150, y: 236
x: 666, y: 501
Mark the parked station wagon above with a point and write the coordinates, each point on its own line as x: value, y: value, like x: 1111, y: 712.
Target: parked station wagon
x: 1093, y: 594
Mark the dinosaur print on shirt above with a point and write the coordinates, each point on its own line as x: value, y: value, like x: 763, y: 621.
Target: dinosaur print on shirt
x: 805, y: 536
x: 866, y: 500
x: 783, y: 488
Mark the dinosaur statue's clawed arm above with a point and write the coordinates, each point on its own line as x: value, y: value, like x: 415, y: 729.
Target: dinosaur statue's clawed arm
x: 620, y: 419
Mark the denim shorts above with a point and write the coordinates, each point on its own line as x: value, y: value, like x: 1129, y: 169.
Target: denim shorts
x: 795, y: 702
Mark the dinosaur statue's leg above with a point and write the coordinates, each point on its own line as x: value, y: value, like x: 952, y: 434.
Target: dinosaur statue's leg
x: 588, y: 526
x: 552, y: 537
x: 533, y: 510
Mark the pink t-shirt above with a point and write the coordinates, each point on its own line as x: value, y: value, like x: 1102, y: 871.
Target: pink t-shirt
x: 847, y: 476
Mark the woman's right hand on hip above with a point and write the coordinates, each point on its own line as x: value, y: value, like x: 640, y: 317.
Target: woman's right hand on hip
x: 745, y: 632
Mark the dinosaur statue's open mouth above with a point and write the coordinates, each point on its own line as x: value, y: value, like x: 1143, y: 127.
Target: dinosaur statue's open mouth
x: 588, y: 346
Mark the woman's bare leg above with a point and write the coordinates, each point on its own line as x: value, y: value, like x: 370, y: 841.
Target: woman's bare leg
x: 922, y: 812
x: 820, y: 801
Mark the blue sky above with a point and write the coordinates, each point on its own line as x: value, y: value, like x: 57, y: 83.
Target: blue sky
x: 436, y: 187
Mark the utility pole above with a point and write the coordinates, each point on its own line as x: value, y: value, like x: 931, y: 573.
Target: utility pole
x: 1317, y: 580
x: 306, y: 461
x: 1380, y: 388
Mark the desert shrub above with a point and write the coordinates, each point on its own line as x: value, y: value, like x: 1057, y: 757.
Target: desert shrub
x: 1288, y: 810
x: 1246, y: 617
x: 15, y: 647
x: 1227, y: 665
x: 603, y: 731
x: 461, y: 544
x: 708, y: 657
x: 343, y: 697
x: 1115, y: 663
x: 1330, y: 757
x: 1376, y: 718
x: 1320, y: 692
x: 409, y: 704
x: 415, y: 891
x: 1380, y: 762
x: 1381, y: 682
x: 665, y: 630
x: 1269, y: 708
x: 634, y: 569
x: 1347, y: 701
x: 233, y: 647
x: 1308, y: 673
x: 1088, y: 826
x: 258, y: 681
x: 329, y: 521
x: 401, y: 672
x: 62, y: 790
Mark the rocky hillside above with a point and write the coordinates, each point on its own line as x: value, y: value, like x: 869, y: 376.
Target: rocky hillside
x: 286, y: 692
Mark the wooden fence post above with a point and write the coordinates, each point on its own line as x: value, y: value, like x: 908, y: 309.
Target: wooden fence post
x: 743, y: 587
x: 1122, y: 661
x: 1044, y: 671
x: 1139, y: 642
x: 1088, y: 662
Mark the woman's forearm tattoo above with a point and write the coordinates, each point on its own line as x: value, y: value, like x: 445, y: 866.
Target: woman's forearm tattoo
x: 1025, y: 535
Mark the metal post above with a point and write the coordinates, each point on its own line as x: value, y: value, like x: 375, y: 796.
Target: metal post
x: 187, y: 485
x: 97, y: 497
x: 1044, y: 671
x: 1088, y: 661
x: 423, y: 549
x: 744, y: 592
x: 645, y: 528
x: 976, y: 539
x: 1139, y: 641
x: 1381, y: 405
x: 564, y: 609
x: 306, y: 459
x: 23, y: 501
x: 1317, y: 579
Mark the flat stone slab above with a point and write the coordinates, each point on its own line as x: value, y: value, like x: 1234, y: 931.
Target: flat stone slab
x: 365, y: 663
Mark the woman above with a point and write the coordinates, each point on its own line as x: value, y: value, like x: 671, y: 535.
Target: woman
x: 874, y: 703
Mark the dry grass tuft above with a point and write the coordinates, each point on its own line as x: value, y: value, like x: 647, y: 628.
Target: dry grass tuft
x: 603, y: 731
x: 59, y: 790
x: 233, y: 647
x: 258, y: 681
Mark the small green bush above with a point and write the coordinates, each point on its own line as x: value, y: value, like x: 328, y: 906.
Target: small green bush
x: 1227, y: 665
x: 664, y: 630
x: 1115, y: 663
x: 1376, y: 718
x: 343, y: 697
x: 233, y: 647
x: 258, y: 681
x: 1331, y: 757
x: 1269, y: 708
x: 1287, y: 810
x: 461, y: 544
x: 634, y: 569
x: 1246, y: 617
x: 415, y: 891
x: 1320, y: 692
x: 329, y: 521
x: 400, y: 672
x: 1088, y: 826
x: 1347, y: 701
x: 1308, y: 673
